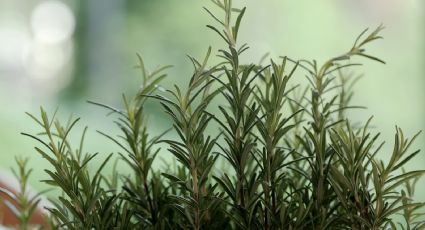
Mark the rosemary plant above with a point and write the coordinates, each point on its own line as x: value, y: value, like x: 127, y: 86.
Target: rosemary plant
x: 21, y: 203
x: 293, y: 159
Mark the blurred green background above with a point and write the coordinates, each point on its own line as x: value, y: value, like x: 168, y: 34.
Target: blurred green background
x: 62, y: 53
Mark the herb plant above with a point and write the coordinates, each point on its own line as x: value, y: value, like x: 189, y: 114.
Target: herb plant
x: 293, y: 159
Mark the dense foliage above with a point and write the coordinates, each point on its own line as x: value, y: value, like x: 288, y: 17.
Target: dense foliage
x: 292, y: 159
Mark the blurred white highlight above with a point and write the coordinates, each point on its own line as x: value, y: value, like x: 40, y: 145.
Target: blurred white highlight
x: 52, y: 22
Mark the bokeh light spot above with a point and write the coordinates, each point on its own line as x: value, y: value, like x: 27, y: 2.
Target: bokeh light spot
x: 52, y: 22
